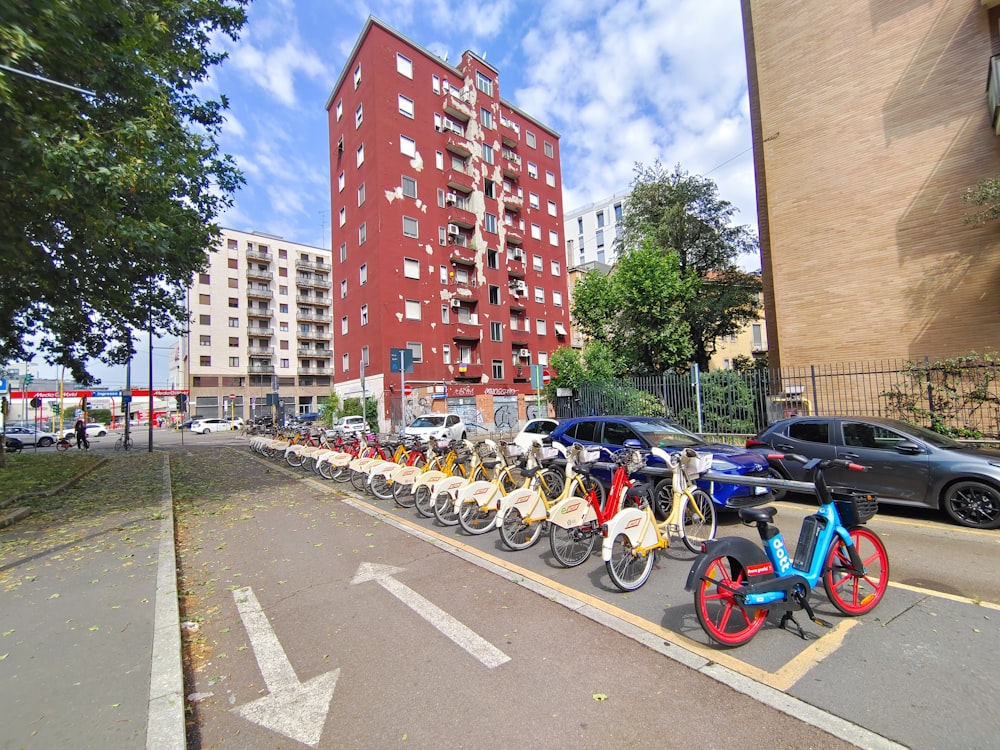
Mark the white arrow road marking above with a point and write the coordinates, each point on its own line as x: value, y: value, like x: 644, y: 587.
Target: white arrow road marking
x: 295, y: 709
x: 488, y: 654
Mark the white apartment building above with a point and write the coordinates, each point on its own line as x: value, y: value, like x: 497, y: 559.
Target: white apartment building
x: 591, y: 231
x: 260, y: 323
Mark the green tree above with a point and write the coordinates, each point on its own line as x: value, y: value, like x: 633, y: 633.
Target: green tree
x: 682, y: 215
x: 109, y: 197
x: 638, y: 312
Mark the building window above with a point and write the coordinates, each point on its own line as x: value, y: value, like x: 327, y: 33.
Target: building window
x: 484, y: 84
x: 341, y: 182
x: 549, y: 150
x: 487, y: 153
x: 405, y: 106
x: 357, y: 76
x: 363, y: 274
x: 363, y: 234
x: 600, y: 237
x: 758, y: 338
x: 550, y: 179
x: 203, y: 278
x: 442, y: 237
x: 497, y: 369
x: 361, y: 194
x: 446, y: 314
x: 536, y: 234
x: 539, y: 294
x: 496, y: 331
x: 234, y: 302
x: 618, y: 212
x: 404, y: 66
x: 490, y: 223
x: 552, y: 208
x: 446, y: 354
x: 536, y: 262
x: 529, y: 139
x: 204, y: 299
x: 283, y: 291
x: 282, y: 308
x: 359, y: 116
x: 411, y: 268
x: 439, y: 160
x: 410, y: 227
x: 492, y: 258
x: 345, y: 363
x: 204, y: 340
x: 340, y: 109
x: 486, y: 118
x: 494, y: 294
x: 283, y: 364
x: 233, y: 322
x: 556, y: 299
x: 418, y: 350
x: 343, y: 325
x: 412, y: 309
x: 410, y: 187
x: 543, y: 358
x: 532, y: 170
x: 234, y: 361
x: 364, y: 315
x: 361, y: 155
x: 234, y: 341
x: 533, y: 200
x: 343, y: 288
x: 436, y: 84
x: 343, y: 252
x: 553, y: 238
x: 407, y: 146
x: 540, y: 326
x: 342, y: 216
x: 206, y: 320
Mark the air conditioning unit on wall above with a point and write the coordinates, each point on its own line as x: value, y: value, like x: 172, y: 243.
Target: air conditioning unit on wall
x: 456, y: 302
x: 520, y: 287
x: 454, y: 229
x: 524, y: 353
x: 451, y: 199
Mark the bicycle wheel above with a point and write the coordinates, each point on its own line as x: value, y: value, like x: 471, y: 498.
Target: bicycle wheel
x: 360, y: 480
x: 517, y: 534
x: 63, y: 445
x: 627, y: 568
x: 381, y: 487
x: 325, y: 470
x: 476, y: 520
x: 583, y: 487
x: 422, y: 501
x: 342, y: 474
x: 294, y: 459
x: 570, y: 547
x: 119, y: 443
x: 551, y: 483
x: 444, y: 509
x: 402, y: 495
x: 722, y: 617
x: 698, y: 523
x: 852, y: 594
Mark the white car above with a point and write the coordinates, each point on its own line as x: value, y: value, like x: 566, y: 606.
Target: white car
x: 211, y: 424
x: 31, y: 436
x: 533, y: 432
x: 437, y: 427
x: 94, y: 429
x: 349, y: 426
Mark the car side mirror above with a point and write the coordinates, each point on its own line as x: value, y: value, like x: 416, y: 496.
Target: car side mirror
x: 907, y: 448
x: 632, y: 443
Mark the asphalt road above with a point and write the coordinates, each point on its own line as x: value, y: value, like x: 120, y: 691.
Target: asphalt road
x: 927, y: 652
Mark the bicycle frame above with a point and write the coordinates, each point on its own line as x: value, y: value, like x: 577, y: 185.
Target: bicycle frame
x: 571, y: 513
x: 531, y: 501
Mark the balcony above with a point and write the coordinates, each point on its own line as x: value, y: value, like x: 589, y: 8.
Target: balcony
x: 459, y: 180
x: 456, y: 104
x: 993, y: 92
x: 510, y: 132
x: 260, y: 351
x: 257, y: 293
x: 256, y: 273
x: 311, y: 317
x: 465, y: 371
x: 462, y: 217
x: 263, y: 332
x: 312, y: 265
x: 263, y: 255
x: 314, y: 353
x: 315, y: 335
x: 458, y: 144
x: 463, y: 255
x: 319, y: 282
x: 308, y: 299
x: 514, y: 237
x: 260, y: 312
x: 315, y: 371
x: 261, y: 369
x: 511, y: 202
x: 511, y: 168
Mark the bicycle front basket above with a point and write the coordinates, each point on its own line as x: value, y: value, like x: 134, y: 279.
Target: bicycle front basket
x: 589, y: 456
x: 853, y: 506
x: 697, y: 466
x: 547, y: 453
x: 513, y: 450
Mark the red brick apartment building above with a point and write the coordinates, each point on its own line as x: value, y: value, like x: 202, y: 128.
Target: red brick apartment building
x: 870, y: 121
x: 447, y: 229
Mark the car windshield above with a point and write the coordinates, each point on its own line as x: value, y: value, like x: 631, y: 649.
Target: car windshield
x: 664, y: 434
x: 428, y: 421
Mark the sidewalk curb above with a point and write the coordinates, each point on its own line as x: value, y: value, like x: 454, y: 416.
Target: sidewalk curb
x: 165, y: 727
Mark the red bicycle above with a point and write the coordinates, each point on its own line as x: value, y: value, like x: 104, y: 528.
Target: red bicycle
x: 575, y: 523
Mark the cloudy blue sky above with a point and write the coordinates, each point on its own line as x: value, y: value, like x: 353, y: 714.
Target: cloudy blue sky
x: 621, y: 81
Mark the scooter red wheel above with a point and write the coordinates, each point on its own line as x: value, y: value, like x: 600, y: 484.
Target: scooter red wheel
x: 724, y: 620
x: 852, y: 594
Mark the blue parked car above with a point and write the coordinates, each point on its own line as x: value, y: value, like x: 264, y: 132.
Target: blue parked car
x: 612, y: 432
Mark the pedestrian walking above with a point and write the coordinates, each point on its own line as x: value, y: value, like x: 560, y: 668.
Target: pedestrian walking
x: 81, y: 435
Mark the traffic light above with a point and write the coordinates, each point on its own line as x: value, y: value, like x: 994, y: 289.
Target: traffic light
x: 181, y: 401
x: 28, y: 378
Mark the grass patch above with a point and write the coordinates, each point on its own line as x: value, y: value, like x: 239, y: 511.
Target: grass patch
x: 37, y: 472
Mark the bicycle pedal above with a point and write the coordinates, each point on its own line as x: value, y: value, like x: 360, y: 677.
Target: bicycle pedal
x: 822, y: 623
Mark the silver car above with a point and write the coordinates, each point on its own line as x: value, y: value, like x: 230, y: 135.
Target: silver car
x: 908, y: 465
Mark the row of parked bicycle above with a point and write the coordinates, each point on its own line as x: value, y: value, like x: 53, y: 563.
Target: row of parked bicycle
x: 550, y: 490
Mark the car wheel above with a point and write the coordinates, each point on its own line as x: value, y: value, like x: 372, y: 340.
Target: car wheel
x: 464, y: 436
x: 45, y: 442
x: 663, y: 499
x: 773, y: 473
x: 102, y: 433
x: 973, y: 504
x: 205, y: 431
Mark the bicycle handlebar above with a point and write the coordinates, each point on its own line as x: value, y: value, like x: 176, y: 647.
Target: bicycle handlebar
x: 821, y: 463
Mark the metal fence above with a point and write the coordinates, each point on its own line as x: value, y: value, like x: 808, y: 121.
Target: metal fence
x: 960, y: 396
